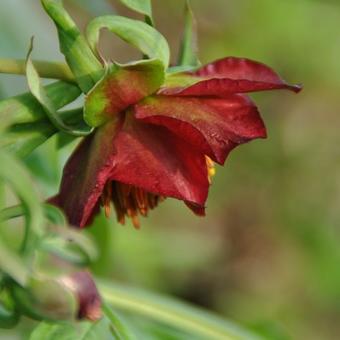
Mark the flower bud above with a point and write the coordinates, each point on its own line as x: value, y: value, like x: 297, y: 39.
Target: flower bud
x: 85, y: 290
x: 70, y: 297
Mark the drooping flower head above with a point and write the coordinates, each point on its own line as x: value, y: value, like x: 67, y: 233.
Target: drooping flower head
x: 157, y: 132
x: 156, y: 137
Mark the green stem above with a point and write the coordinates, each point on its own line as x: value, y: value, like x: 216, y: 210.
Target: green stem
x: 172, y: 312
x: 46, y: 69
x: 12, y: 265
x: 52, y: 213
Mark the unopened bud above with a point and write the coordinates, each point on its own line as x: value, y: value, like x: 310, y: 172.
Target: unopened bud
x: 84, y: 288
x: 69, y: 297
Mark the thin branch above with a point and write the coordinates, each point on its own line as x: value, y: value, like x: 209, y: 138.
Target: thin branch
x: 46, y: 69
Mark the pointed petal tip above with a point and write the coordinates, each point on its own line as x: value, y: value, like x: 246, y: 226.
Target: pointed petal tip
x: 198, y: 210
x: 296, y: 88
x: 263, y: 134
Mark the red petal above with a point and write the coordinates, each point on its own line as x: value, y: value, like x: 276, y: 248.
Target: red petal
x: 85, y: 175
x: 214, y: 125
x: 196, y: 209
x: 156, y: 160
x: 225, y: 76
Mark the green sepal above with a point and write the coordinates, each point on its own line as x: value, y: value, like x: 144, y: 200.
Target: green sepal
x: 180, y: 79
x: 122, y: 86
x: 85, y: 66
x: 180, y: 69
x: 134, y: 32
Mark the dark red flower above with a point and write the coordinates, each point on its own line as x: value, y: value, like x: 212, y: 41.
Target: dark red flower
x: 157, y: 135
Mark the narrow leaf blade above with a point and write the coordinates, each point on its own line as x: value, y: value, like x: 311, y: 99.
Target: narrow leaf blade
x: 41, y: 95
x: 188, y: 50
x: 140, y: 6
x: 172, y: 312
x: 25, y: 108
x: 66, y: 331
x: 22, y: 139
x: 137, y: 33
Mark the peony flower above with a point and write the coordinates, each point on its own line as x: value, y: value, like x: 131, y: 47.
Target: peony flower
x: 158, y: 136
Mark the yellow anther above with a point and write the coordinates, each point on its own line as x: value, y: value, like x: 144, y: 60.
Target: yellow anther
x: 211, y: 168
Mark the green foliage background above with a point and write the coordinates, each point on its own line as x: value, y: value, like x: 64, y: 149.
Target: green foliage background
x: 267, y: 254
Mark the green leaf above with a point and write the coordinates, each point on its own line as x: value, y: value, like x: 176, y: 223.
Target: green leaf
x: 172, y: 312
x: 8, y: 318
x: 16, y: 176
x: 29, y: 124
x: 22, y: 139
x: 40, y: 94
x: 140, y: 6
x: 81, y: 60
x: 122, y: 86
x: 188, y: 50
x: 137, y: 33
x: 25, y: 108
x: 119, y: 328
x: 69, y: 331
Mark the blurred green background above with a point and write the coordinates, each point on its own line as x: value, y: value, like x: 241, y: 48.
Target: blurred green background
x: 267, y: 254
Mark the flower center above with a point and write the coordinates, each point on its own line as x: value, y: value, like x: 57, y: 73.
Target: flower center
x: 128, y: 200
x: 131, y: 201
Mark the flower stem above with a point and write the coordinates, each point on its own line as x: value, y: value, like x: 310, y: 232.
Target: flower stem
x: 46, y: 69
